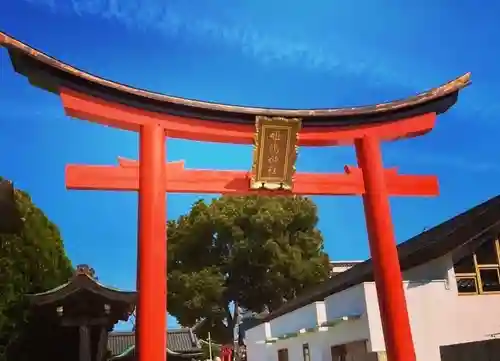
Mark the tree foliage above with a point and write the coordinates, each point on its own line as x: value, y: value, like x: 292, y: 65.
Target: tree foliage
x: 31, y: 261
x: 252, y: 252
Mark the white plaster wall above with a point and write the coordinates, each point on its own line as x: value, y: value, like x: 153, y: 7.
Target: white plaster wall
x: 425, y: 303
x: 428, y: 296
x: 434, y: 270
x: 321, y: 316
x: 305, y: 317
x: 346, y: 332
x: 259, y: 332
x: 350, y: 302
x: 346, y: 303
x: 319, y: 342
x: 316, y: 343
x: 256, y: 351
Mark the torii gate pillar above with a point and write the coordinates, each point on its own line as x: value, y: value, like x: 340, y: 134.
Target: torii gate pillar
x: 385, y: 260
x: 152, y: 245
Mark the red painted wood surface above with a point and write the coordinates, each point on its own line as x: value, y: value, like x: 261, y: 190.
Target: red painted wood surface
x: 125, y: 177
x: 151, y: 247
x: 386, y: 268
x: 121, y: 116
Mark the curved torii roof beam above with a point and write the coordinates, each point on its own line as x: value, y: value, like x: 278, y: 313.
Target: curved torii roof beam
x: 90, y: 97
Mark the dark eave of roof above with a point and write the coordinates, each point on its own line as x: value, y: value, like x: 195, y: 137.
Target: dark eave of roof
x: 464, y: 231
x: 51, y: 74
x: 78, y: 283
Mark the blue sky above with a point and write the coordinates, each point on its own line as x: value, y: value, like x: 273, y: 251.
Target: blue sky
x: 265, y: 53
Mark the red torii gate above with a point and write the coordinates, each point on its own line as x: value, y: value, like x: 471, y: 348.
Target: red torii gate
x: 155, y: 116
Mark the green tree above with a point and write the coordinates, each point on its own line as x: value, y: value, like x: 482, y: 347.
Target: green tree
x: 31, y: 261
x: 250, y: 252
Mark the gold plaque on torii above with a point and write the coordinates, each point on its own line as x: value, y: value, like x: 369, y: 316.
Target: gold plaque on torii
x: 275, y: 152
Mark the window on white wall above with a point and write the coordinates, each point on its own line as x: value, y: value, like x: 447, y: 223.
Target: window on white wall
x: 479, y: 272
x: 283, y: 354
x: 306, y: 356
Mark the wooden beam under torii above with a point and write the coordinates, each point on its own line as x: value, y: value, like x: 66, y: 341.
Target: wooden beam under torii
x: 125, y: 177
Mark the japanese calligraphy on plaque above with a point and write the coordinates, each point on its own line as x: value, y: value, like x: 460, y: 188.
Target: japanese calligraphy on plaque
x: 275, y: 153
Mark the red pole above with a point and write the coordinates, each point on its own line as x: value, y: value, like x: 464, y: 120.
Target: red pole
x: 386, y: 268
x: 152, y: 248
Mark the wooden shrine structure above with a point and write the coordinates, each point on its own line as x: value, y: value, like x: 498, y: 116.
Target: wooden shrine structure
x: 79, y: 315
x: 275, y: 133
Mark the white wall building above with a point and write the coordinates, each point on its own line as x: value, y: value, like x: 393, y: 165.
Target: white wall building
x: 452, y: 282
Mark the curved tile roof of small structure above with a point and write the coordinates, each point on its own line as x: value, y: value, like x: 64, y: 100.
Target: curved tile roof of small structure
x: 51, y: 74
x: 83, y: 279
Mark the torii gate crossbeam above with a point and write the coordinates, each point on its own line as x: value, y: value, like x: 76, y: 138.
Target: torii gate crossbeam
x: 125, y: 177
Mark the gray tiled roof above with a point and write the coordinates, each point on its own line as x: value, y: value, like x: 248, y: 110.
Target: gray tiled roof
x: 179, y: 341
